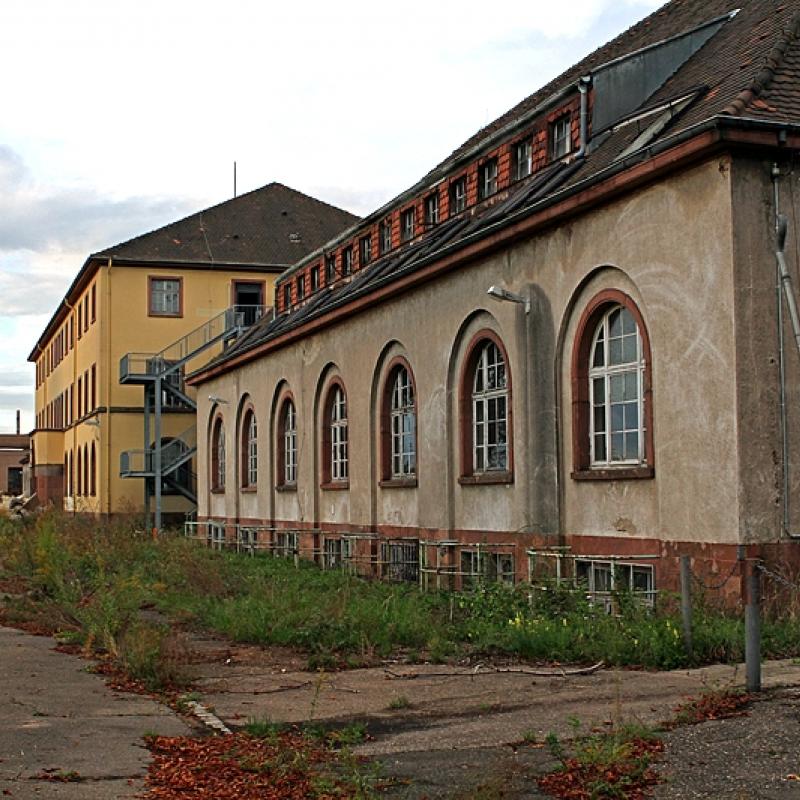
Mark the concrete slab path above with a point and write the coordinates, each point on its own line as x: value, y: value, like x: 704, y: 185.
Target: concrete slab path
x: 56, y: 716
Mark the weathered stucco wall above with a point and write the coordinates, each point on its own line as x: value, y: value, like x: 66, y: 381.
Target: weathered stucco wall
x: 668, y: 246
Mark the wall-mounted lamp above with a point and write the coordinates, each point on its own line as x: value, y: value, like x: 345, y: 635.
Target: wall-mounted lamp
x: 215, y: 399
x: 499, y: 293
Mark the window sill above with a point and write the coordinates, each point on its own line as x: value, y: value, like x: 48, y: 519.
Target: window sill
x: 399, y: 483
x: 218, y: 490
x: 168, y: 315
x: 615, y: 474
x: 248, y: 489
x: 334, y: 486
x: 486, y: 478
x: 286, y: 487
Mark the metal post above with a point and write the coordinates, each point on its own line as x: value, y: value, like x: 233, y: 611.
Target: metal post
x: 686, y: 605
x: 157, y: 453
x: 752, y: 630
x: 147, y: 407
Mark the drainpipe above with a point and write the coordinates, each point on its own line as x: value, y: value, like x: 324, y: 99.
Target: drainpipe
x: 784, y: 287
x: 583, y: 88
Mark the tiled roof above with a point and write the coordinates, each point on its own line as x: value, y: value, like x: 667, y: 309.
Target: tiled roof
x: 273, y: 225
x: 748, y: 68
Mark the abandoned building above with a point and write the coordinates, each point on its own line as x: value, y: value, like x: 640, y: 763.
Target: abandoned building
x: 564, y: 348
x: 112, y: 411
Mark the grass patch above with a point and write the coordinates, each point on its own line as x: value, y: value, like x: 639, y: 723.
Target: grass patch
x: 90, y: 580
x: 602, y: 766
x: 399, y: 703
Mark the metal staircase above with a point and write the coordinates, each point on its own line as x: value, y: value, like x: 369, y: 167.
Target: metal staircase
x: 165, y: 463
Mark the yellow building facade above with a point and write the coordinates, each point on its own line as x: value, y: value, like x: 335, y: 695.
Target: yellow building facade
x: 140, y: 298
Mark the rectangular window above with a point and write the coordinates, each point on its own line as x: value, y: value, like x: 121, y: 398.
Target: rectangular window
x: 330, y: 269
x: 314, y: 278
x: 385, y: 235
x: 560, y: 143
x: 94, y: 387
x: 603, y: 579
x: 365, y: 250
x: 165, y: 297
x: 523, y: 159
x: 80, y: 397
x: 300, y: 285
x: 458, y: 195
x: 80, y: 320
x: 347, y: 260
x: 407, y: 222
x: 290, y: 446
x: 479, y: 566
x: 86, y: 312
x: 94, y: 302
x: 487, y: 179
x: 401, y: 560
x: 432, y: 209
x: 287, y: 296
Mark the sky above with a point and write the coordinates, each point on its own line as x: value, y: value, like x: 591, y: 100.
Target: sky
x: 119, y: 117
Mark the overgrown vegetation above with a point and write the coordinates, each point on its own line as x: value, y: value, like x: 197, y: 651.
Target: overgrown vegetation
x: 275, y: 762
x: 602, y: 766
x: 92, y: 581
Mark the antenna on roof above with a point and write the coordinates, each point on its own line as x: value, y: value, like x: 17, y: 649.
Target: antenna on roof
x: 234, y: 179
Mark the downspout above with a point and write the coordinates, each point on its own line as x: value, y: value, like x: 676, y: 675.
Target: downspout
x: 106, y: 320
x: 583, y: 88
x: 784, y: 287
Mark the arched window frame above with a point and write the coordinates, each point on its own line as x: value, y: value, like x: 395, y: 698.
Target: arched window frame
x: 249, y: 449
x: 286, y: 440
x: 398, y: 445
x: 335, y: 438
x: 593, y: 315
x: 470, y: 473
x: 217, y: 477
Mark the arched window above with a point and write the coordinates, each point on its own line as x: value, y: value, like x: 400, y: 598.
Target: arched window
x: 485, y: 409
x: 334, y: 437
x: 289, y: 436
x: 249, y: 450
x: 93, y: 473
x: 399, y: 425
x: 612, y: 398
x: 218, y: 455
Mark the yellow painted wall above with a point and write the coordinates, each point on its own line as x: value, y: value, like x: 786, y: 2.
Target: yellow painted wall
x: 123, y: 325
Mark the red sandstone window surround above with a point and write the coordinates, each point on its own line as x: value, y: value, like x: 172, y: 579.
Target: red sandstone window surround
x: 249, y: 449
x: 217, y: 455
x: 398, y: 426
x: 335, y: 456
x: 286, y: 442
x: 612, y: 397
x: 485, y: 412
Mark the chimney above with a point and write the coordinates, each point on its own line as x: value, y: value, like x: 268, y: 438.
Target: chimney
x: 17, y: 422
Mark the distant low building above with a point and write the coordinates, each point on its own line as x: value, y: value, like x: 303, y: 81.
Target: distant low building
x: 211, y: 273
x: 560, y: 351
x: 14, y: 454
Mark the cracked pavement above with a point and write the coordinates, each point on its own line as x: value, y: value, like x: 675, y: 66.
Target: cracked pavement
x: 58, y: 719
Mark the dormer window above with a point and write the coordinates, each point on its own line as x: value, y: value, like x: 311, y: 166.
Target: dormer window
x: 407, y: 220
x: 385, y: 236
x: 458, y: 195
x: 287, y: 296
x: 314, y: 278
x: 330, y: 268
x: 347, y: 260
x: 560, y: 138
x: 523, y: 161
x: 365, y: 250
x: 487, y: 179
x: 432, y: 210
x: 301, y: 287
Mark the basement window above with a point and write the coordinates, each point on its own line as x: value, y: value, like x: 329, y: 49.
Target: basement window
x: 602, y: 579
x: 560, y: 143
x: 285, y: 544
x: 478, y: 566
x: 401, y: 560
